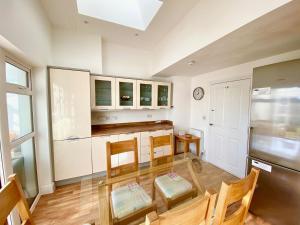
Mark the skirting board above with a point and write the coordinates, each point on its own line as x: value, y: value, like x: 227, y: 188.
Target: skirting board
x: 47, y: 189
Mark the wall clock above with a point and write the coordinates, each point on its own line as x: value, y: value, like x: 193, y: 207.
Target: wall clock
x: 198, y: 93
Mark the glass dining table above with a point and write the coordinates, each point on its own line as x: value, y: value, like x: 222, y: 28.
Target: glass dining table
x: 200, y: 174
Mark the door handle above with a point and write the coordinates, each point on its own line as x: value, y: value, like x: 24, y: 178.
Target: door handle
x: 211, y: 124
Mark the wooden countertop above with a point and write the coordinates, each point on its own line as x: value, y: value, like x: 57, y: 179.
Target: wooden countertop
x: 125, y: 128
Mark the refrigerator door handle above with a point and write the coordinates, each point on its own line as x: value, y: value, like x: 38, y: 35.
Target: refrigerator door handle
x: 72, y: 138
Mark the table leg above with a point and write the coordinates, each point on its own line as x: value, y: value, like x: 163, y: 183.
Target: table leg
x: 198, y: 148
x: 104, y: 207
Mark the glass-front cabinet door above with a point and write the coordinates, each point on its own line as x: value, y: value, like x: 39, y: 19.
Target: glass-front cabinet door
x: 145, y: 94
x: 125, y: 93
x: 103, y: 92
x: 163, y: 95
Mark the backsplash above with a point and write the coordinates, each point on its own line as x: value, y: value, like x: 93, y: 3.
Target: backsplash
x: 127, y: 116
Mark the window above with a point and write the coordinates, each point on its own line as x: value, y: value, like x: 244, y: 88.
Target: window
x: 19, y: 110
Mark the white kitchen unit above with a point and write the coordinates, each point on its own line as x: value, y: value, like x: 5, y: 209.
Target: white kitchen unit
x: 145, y: 94
x: 99, y: 151
x: 103, y: 92
x: 71, y: 122
x: 72, y: 158
x: 145, y: 145
x: 162, y: 95
x: 125, y: 93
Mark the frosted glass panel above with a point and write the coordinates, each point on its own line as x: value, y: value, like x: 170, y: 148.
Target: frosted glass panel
x: 103, y: 93
x: 14, y: 75
x: 145, y: 94
x: 23, y: 162
x: 162, y: 99
x: 19, y: 115
x: 126, y: 93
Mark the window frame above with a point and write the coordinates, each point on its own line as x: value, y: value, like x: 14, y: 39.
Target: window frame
x: 21, y: 90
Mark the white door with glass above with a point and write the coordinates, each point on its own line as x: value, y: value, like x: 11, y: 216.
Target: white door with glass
x: 125, y: 93
x: 145, y: 94
x: 17, y: 128
x: 103, y: 92
x: 162, y: 95
x: 229, y: 122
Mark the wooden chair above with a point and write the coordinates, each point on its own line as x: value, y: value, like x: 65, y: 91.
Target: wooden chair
x: 11, y: 196
x: 195, y: 212
x: 172, y: 187
x: 240, y: 193
x: 129, y: 202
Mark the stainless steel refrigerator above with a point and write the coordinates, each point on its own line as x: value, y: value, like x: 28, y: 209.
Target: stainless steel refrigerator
x: 274, y: 144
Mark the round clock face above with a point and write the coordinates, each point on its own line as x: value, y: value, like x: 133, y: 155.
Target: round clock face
x: 198, y: 93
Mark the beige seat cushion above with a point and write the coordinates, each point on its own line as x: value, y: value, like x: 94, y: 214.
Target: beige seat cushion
x: 128, y: 199
x: 172, y: 185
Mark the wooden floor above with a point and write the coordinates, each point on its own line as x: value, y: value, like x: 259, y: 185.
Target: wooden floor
x: 77, y: 203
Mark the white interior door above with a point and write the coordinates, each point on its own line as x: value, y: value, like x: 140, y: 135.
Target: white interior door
x: 229, y: 121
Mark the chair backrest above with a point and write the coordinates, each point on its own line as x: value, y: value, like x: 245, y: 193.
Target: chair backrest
x: 160, y: 141
x: 194, y: 212
x: 240, y: 193
x: 118, y: 148
x: 11, y: 196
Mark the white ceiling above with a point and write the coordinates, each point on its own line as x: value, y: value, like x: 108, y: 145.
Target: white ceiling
x: 274, y: 33
x: 64, y: 14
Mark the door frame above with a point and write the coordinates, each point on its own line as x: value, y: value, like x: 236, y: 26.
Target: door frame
x: 209, y: 144
x: 5, y: 156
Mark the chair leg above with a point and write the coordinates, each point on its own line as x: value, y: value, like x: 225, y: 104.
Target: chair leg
x: 153, y: 190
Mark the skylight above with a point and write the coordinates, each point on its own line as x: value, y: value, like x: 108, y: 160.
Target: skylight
x: 131, y: 13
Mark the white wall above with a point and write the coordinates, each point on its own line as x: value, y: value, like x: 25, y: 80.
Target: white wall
x: 77, y: 50
x: 180, y: 113
x: 126, y: 116
x: 24, y: 25
x: 200, y: 109
x: 206, y: 23
x: 120, y: 60
x: 40, y: 91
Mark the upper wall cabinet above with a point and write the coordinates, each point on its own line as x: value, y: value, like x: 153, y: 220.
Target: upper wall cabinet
x: 125, y: 93
x: 163, y: 95
x: 145, y: 94
x: 103, y: 92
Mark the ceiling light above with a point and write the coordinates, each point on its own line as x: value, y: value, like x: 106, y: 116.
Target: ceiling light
x: 190, y: 63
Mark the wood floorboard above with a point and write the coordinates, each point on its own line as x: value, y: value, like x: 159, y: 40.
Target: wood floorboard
x: 78, y: 203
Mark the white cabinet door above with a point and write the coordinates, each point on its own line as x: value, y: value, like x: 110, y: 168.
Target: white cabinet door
x: 162, y: 95
x: 99, y: 153
x: 103, y: 92
x: 128, y: 157
x: 125, y: 93
x: 114, y: 158
x: 72, y: 158
x: 145, y: 94
x: 70, y: 104
x: 167, y: 149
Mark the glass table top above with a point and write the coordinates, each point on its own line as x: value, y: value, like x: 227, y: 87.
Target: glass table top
x: 186, y: 165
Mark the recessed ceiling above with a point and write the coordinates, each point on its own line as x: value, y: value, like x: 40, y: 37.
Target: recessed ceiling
x: 64, y: 14
x: 274, y: 33
x: 131, y: 13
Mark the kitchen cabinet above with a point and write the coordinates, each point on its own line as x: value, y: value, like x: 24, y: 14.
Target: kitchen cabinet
x: 71, y: 122
x: 99, y: 151
x: 145, y: 94
x: 144, y: 155
x: 125, y: 93
x: 72, y: 158
x: 162, y: 95
x: 103, y: 93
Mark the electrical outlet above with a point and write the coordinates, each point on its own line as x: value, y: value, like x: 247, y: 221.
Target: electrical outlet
x: 149, y: 115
